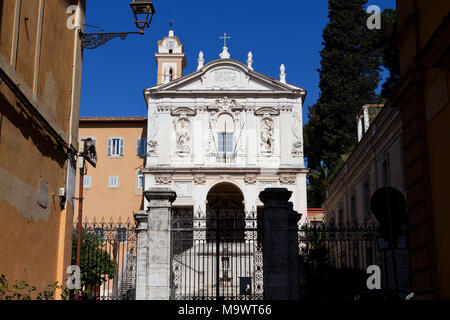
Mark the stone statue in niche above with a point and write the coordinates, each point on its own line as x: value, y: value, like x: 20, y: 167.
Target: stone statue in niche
x: 183, y: 137
x: 267, y: 134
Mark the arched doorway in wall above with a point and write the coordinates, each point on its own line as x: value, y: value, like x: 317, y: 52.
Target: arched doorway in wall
x: 225, y: 213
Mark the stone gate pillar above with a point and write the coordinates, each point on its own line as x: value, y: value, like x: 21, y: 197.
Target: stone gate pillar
x: 153, y: 245
x: 280, y: 245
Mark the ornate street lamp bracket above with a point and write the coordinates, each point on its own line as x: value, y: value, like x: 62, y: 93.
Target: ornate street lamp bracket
x: 95, y: 40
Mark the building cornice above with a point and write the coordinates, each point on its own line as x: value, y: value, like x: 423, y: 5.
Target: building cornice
x: 104, y: 119
x: 221, y: 170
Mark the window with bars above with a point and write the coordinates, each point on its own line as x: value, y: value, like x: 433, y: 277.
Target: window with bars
x: 115, y: 147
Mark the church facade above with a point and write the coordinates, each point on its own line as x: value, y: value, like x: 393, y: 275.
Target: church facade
x: 223, y: 133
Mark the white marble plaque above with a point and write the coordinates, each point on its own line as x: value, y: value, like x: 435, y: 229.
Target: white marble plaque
x: 183, y: 189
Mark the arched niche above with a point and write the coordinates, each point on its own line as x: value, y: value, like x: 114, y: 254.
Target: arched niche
x: 225, y: 214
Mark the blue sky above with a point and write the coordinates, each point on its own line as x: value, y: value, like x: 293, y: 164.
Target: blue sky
x: 284, y: 31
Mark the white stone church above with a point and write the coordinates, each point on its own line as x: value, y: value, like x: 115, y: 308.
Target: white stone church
x: 224, y: 130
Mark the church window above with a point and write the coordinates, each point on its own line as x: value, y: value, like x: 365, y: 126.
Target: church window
x: 225, y: 142
x: 115, y: 147
x: 225, y: 134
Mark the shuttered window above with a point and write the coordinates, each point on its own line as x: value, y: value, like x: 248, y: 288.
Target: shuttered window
x: 87, y: 182
x: 115, y: 147
x: 141, y: 147
x: 113, y: 182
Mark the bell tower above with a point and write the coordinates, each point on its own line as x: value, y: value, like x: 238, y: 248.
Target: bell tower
x: 170, y: 58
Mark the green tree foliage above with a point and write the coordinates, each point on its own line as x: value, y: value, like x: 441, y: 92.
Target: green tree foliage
x: 319, y: 180
x: 351, y: 62
x: 385, y: 42
x: 21, y: 290
x: 95, y: 262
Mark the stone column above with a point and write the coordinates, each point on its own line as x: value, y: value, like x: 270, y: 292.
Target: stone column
x: 154, y: 246
x: 280, y: 246
x: 141, y: 220
x: 293, y: 268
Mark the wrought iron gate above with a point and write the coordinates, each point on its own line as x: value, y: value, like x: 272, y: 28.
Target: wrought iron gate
x: 108, y: 259
x: 216, y: 254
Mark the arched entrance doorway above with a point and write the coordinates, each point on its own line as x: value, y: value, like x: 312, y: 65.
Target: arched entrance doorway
x: 225, y: 195
x: 225, y: 216
x: 219, y: 253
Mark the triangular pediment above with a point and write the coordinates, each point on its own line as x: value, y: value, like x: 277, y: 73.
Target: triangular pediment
x: 225, y: 75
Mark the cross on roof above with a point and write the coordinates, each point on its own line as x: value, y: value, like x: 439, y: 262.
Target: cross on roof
x: 225, y: 39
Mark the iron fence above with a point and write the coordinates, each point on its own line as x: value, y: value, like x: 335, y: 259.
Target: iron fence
x: 108, y: 259
x: 333, y: 260
x: 216, y: 255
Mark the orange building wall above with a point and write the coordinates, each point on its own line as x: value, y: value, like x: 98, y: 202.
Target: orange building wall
x: 101, y: 201
x: 35, y: 243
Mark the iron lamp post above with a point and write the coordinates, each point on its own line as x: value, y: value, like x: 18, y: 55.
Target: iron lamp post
x: 143, y: 11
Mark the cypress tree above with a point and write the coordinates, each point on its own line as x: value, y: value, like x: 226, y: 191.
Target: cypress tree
x: 351, y: 61
x: 349, y: 76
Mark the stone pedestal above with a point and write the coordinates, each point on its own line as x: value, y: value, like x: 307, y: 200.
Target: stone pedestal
x: 281, y: 279
x: 153, y: 246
